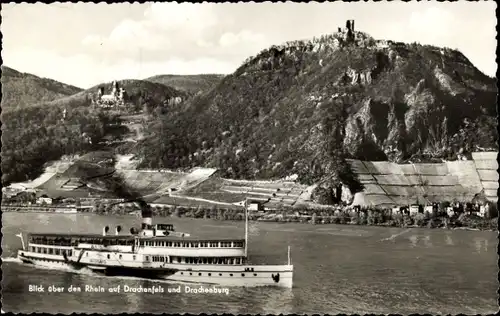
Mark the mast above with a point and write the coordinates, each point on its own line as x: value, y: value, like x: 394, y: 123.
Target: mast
x: 289, y: 259
x: 20, y: 235
x: 246, y: 226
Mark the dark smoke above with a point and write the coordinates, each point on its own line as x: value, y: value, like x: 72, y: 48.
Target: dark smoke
x: 115, y: 183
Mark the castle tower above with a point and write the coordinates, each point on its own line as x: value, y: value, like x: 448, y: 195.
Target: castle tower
x: 115, y: 88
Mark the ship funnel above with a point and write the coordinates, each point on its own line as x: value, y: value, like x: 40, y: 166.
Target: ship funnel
x: 134, y: 231
x: 105, y: 230
x: 146, y: 222
x: 118, y: 229
x: 146, y: 214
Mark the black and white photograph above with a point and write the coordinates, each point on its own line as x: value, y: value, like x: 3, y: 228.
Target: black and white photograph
x: 249, y: 158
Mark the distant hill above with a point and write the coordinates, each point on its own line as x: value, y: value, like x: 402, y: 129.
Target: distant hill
x: 191, y: 84
x: 305, y: 106
x: 23, y: 89
x: 139, y: 92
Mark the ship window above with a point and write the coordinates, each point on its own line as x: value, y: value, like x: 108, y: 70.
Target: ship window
x: 231, y: 261
x: 230, y: 274
x: 205, y: 260
x: 225, y: 260
x: 133, y: 257
x: 57, y: 251
x: 220, y: 260
x: 70, y: 253
x: 120, y: 256
x: 255, y: 274
x: 190, y: 273
x: 147, y: 258
x: 182, y: 273
x: 87, y: 254
x: 199, y: 273
x: 210, y: 274
x: 238, y: 261
x: 109, y: 256
x: 243, y: 274
x: 220, y: 274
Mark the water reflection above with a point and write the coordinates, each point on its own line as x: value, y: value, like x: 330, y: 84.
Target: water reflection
x: 427, y: 241
x: 414, y: 240
x: 481, y: 244
x: 449, y: 240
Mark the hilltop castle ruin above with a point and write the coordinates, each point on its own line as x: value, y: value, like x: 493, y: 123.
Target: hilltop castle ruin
x: 348, y: 32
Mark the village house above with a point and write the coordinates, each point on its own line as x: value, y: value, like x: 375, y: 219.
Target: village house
x: 44, y: 199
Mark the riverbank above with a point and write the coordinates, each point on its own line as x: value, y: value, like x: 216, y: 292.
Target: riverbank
x: 343, y: 217
x: 420, y: 220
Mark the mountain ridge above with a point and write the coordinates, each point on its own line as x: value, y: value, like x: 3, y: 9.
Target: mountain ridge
x: 304, y: 106
x: 22, y: 89
x: 191, y: 84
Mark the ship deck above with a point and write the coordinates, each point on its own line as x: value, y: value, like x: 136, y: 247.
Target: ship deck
x: 130, y: 237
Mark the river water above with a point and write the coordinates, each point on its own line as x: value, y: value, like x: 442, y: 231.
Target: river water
x: 337, y: 269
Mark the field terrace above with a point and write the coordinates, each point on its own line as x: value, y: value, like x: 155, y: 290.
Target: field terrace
x: 389, y: 184
x: 273, y: 193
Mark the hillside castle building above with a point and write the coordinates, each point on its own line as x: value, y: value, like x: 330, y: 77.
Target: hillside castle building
x: 114, y: 99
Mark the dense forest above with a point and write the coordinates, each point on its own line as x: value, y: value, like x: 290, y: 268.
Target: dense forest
x: 38, y: 134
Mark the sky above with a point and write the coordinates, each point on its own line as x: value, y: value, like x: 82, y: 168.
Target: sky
x: 85, y: 44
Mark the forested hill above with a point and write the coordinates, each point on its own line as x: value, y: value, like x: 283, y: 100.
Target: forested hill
x: 42, y: 130
x: 23, y: 89
x: 303, y: 107
x: 140, y: 94
x: 191, y: 84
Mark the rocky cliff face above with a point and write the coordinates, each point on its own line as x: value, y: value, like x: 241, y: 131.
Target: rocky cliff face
x: 283, y: 110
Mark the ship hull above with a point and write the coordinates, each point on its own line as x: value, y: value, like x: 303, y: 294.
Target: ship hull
x: 245, y: 275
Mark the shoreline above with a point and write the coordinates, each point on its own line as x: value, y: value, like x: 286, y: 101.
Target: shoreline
x: 378, y: 219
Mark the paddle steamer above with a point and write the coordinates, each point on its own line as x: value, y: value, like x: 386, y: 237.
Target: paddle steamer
x: 156, y: 252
